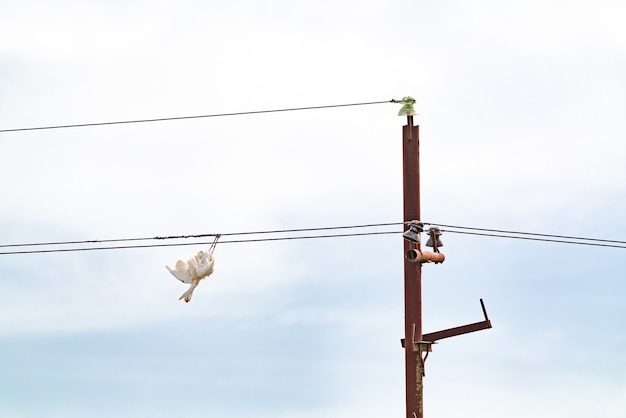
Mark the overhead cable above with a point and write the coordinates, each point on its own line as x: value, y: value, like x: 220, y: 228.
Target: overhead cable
x: 74, y: 249
x: 169, y: 237
x: 529, y: 233
x: 214, y: 115
x: 594, y: 244
x: 493, y: 233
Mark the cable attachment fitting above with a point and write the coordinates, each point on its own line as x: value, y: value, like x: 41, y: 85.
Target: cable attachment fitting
x: 413, y: 233
x: 407, y: 106
x: 416, y: 255
x: 433, y: 239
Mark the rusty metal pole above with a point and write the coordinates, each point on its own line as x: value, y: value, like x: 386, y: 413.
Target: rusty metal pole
x: 412, y: 275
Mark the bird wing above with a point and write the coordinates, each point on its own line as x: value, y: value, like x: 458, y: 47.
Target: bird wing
x: 181, y: 272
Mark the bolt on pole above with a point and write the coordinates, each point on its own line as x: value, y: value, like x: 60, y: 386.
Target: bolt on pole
x: 412, y: 276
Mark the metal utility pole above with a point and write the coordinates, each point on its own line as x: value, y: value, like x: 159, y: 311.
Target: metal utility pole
x: 412, y: 275
x: 416, y: 344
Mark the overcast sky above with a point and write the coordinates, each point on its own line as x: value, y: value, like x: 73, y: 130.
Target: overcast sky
x: 521, y: 108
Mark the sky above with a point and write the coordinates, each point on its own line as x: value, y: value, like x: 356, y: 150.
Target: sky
x: 520, y: 108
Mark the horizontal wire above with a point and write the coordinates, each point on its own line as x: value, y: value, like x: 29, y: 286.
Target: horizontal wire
x: 215, y: 115
x: 494, y: 233
x: 539, y: 239
x: 277, y: 231
x: 530, y: 233
x: 59, y: 250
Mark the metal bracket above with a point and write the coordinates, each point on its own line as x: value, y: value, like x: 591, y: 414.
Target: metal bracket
x: 429, y: 339
x: 464, y: 329
x: 419, y: 346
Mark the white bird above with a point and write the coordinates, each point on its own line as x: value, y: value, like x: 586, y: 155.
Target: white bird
x: 197, y: 268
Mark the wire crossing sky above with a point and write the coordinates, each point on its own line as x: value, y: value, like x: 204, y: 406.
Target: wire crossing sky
x: 215, y: 115
x: 493, y: 233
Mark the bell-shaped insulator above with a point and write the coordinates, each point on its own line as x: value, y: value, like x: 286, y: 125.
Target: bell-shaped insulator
x: 413, y: 233
x: 433, y: 238
x: 407, y: 107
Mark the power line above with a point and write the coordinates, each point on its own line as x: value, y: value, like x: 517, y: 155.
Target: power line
x: 534, y: 236
x: 594, y: 244
x: 59, y: 250
x: 215, y: 115
x: 494, y: 233
x: 529, y: 233
x: 276, y: 231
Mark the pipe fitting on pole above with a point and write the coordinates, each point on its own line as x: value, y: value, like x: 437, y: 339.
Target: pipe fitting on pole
x: 417, y: 256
